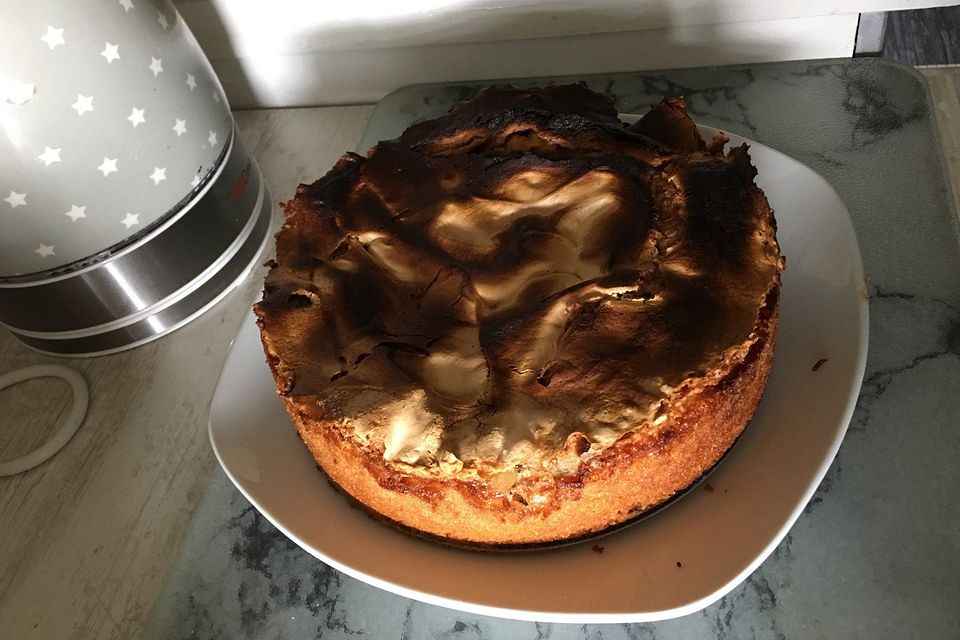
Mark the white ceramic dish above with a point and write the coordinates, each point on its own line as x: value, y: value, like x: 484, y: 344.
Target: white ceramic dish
x: 719, y: 537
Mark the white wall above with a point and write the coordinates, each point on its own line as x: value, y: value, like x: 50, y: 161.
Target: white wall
x: 295, y: 53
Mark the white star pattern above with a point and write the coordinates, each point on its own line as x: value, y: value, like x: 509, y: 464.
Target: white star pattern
x: 126, y: 4
x: 108, y: 166
x: 49, y: 156
x: 76, y: 213
x: 136, y: 117
x: 16, y: 199
x: 44, y: 250
x: 20, y: 86
x: 83, y: 104
x: 53, y: 37
x: 111, y: 52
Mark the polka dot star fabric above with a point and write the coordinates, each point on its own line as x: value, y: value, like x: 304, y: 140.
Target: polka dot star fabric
x: 110, y: 116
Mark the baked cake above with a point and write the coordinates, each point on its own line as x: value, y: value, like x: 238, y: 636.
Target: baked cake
x: 525, y: 321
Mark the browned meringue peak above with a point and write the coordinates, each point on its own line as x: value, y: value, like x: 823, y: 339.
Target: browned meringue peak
x: 553, y: 122
x: 668, y: 123
x: 504, y: 311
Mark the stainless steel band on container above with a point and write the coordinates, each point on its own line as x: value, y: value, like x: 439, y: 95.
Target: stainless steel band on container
x: 154, y: 282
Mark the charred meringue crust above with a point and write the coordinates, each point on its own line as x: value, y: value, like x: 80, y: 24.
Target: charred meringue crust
x: 507, y: 325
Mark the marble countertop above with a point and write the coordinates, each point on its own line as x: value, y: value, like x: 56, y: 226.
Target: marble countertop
x: 133, y: 530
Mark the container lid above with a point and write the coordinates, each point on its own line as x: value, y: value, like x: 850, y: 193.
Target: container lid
x: 110, y: 116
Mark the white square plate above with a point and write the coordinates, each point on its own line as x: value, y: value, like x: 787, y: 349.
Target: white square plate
x: 719, y: 537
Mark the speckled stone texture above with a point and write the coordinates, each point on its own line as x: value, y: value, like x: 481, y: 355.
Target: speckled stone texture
x: 876, y: 553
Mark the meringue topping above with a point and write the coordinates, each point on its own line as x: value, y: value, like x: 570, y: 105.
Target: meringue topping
x: 476, y: 298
